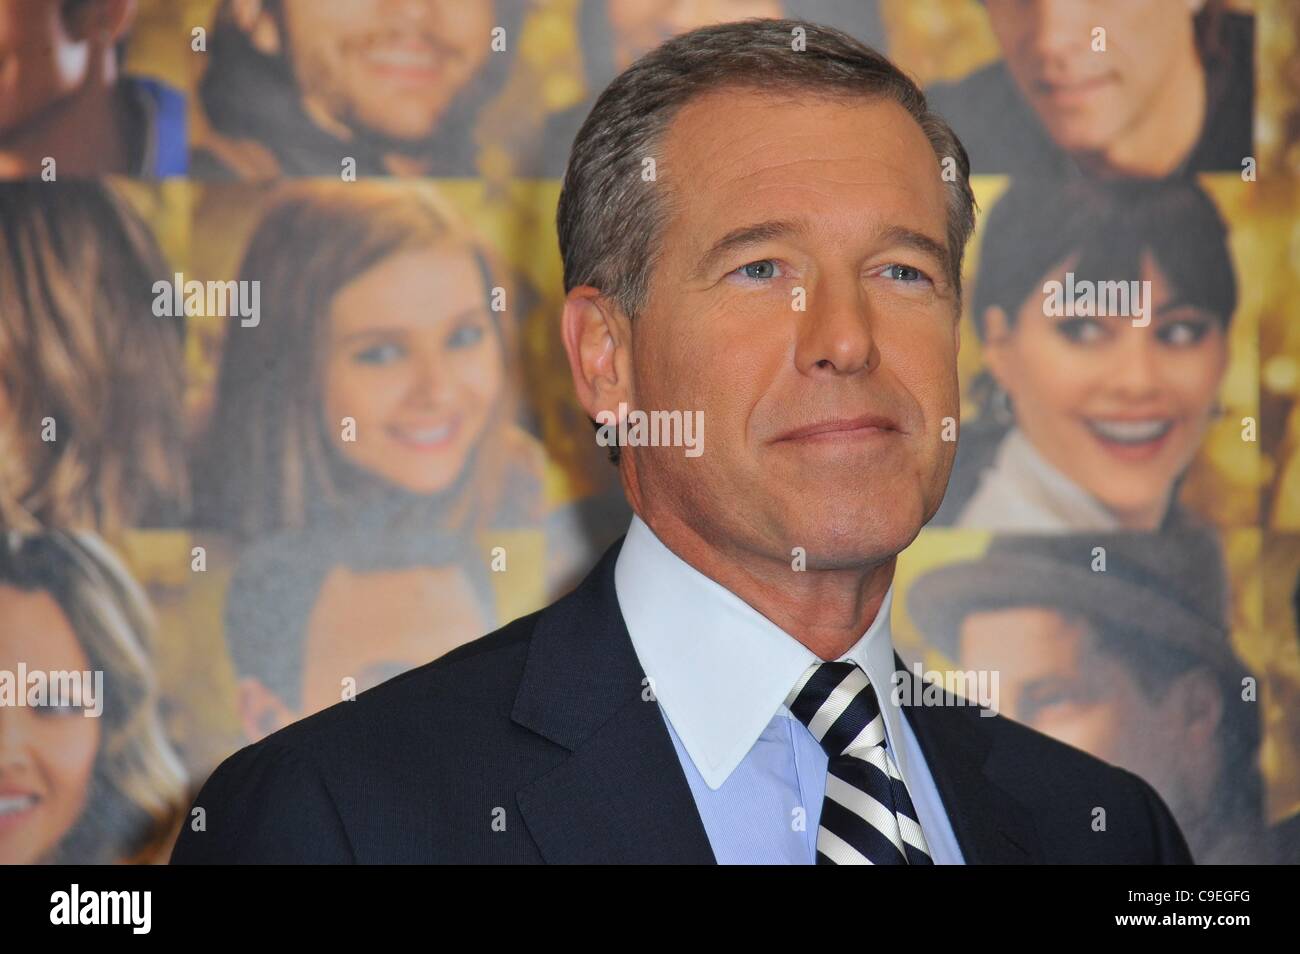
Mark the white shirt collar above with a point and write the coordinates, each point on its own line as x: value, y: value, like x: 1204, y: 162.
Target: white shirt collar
x: 719, y: 668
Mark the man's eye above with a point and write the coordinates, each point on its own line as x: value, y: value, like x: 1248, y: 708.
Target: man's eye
x: 905, y: 273
x: 761, y: 270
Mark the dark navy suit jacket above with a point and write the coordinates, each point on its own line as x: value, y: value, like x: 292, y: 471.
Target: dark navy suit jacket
x: 536, y: 744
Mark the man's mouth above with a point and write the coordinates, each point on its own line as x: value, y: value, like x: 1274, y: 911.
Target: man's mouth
x: 1073, y: 91
x: 833, y: 429
x: 405, y: 58
x: 414, y: 61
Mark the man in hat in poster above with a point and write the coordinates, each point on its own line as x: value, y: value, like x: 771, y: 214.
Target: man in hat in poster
x: 1117, y: 644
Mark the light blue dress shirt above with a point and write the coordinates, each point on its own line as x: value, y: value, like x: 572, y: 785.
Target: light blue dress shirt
x: 720, y: 672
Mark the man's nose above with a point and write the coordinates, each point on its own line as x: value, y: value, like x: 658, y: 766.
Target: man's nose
x: 835, y: 335
x: 1058, y: 28
x: 422, y: 12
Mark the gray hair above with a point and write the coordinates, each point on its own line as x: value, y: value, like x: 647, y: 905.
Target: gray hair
x: 609, y: 222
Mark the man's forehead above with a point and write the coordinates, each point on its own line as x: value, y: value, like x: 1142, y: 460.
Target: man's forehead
x: 735, y: 132
x: 732, y: 151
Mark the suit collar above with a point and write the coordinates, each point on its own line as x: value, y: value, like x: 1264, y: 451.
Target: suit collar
x: 581, y: 668
x: 621, y: 795
x: 721, y: 669
x: 990, y: 825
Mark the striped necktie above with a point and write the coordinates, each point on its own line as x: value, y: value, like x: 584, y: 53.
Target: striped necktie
x: 867, y: 816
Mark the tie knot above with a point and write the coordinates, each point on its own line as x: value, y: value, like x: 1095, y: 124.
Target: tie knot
x: 836, y: 702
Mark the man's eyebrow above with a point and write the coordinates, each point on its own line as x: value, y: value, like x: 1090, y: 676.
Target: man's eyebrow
x: 748, y: 235
x: 742, y: 237
x: 911, y: 238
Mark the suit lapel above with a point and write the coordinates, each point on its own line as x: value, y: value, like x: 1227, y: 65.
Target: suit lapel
x: 991, y: 826
x: 621, y: 795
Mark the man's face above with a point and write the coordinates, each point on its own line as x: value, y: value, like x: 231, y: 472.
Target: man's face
x: 371, y: 627
x: 385, y: 66
x: 39, y: 63
x: 823, y: 352
x: 368, y: 627
x: 1085, y: 98
x: 1053, y: 678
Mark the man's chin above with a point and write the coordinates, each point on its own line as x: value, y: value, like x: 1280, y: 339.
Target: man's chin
x: 850, y: 540
x: 406, y: 135
x: 1083, y: 139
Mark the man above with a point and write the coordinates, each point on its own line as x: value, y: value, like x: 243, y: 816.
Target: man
x: 782, y: 259
x: 297, y: 87
x: 1124, y: 652
x: 317, y: 615
x: 64, y: 98
x: 1112, y: 88
x: 612, y: 34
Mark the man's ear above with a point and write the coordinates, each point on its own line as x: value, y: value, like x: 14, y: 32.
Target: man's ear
x: 104, y: 20
x: 261, y: 711
x: 598, y: 340
x: 1200, y: 705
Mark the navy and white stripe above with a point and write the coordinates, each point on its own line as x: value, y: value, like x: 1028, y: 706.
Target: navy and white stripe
x: 867, y: 816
